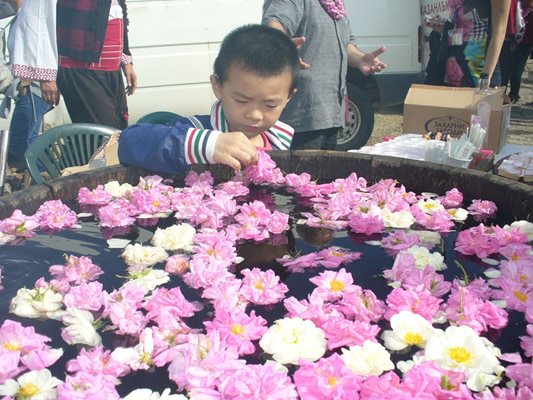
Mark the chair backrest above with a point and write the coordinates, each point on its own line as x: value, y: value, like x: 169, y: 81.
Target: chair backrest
x: 159, y: 117
x: 64, y: 146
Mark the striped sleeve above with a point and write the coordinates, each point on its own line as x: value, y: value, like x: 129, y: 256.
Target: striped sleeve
x: 200, y: 146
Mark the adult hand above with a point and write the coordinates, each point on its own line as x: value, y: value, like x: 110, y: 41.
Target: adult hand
x: 369, y: 62
x: 234, y: 149
x: 50, y: 92
x: 131, y: 78
x: 436, y: 23
x: 298, y: 42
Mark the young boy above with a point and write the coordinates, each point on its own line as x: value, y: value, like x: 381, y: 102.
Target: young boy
x: 254, y: 77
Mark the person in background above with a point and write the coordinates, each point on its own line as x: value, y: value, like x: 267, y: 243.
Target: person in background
x: 522, y: 51
x: 27, y: 118
x: 474, y: 36
x: 255, y: 75
x: 513, y: 32
x: 321, y: 30
x: 77, y: 48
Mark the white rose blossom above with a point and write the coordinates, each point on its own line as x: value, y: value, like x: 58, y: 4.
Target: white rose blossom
x: 290, y: 340
x: 148, y: 279
x: 369, y: 359
x: 458, y: 214
x: 80, y: 328
x: 117, y: 190
x: 139, y: 257
x: 37, y: 384
x: 461, y: 349
x: 148, y: 394
x: 408, y: 329
x: 524, y: 226
x: 399, y: 219
x: 429, y: 206
x: 175, y: 238
x: 37, y: 303
x: 424, y: 257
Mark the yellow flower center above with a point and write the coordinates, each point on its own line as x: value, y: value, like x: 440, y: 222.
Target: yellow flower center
x: 26, y: 391
x: 336, y: 286
x: 413, y: 338
x: 515, y: 257
x: 237, y: 329
x: 520, y: 296
x: 146, y: 358
x: 294, y: 338
x: 12, y: 346
x: 524, y: 279
x: 459, y: 355
x: 332, y: 381
x: 156, y: 203
x: 259, y: 285
x: 212, y: 252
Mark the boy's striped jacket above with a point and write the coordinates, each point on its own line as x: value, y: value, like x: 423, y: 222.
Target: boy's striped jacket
x: 190, y: 140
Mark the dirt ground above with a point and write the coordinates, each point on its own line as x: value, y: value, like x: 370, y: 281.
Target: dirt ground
x: 388, y: 122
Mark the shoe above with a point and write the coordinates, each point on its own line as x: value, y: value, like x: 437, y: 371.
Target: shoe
x: 514, y: 98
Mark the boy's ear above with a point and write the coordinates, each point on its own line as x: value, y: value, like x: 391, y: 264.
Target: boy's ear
x: 216, y: 86
x: 291, y: 94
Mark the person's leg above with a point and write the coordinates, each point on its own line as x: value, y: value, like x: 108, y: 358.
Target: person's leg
x: 93, y: 96
x: 521, y: 55
x: 322, y: 139
x: 505, y: 61
x: 25, y: 125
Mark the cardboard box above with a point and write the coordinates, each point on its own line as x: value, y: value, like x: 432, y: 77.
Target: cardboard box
x: 448, y: 110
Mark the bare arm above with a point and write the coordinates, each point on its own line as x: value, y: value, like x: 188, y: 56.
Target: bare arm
x: 367, y: 63
x: 499, y: 15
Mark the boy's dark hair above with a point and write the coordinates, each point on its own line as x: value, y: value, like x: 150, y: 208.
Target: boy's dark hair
x: 260, y: 49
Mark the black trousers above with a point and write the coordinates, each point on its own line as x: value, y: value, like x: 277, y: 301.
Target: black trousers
x: 94, y: 96
x: 322, y: 139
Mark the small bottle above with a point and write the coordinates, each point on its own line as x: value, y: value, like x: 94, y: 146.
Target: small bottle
x: 483, y: 83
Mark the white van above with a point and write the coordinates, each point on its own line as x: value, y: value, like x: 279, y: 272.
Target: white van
x: 174, y: 44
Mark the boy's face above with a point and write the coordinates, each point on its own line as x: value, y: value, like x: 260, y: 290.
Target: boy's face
x: 252, y: 104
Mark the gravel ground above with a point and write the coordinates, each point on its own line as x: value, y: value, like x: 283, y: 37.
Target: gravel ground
x: 388, y: 122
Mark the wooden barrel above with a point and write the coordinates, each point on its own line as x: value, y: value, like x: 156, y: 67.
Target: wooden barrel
x: 513, y: 198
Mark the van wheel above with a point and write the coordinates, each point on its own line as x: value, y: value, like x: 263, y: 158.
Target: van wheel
x: 359, y: 120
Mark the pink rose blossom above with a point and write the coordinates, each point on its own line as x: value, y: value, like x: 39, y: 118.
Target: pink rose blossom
x: 482, y: 209
x: 367, y: 224
x: 98, y: 196
x: 253, y: 382
x: 178, y: 264
x: 328, y: 378
x: 237, y: 329
x: 53, y: 215
x: 452, y: 199
x: 19, y: 225
x: 262, y: 287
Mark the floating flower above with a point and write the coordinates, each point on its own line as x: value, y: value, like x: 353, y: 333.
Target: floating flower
x: 290, y: 340
x: 139, y: 257
x: 328, y: 378
x: 117, y: 190
x: 369, y: 359
x: 423, y: 257
x: 79, y: 328
x: 53, y: 215
x: 33, y: 385
x: 401, y: 219
x: 460, y: 349
x: 408, y: 329
x: 37, y: 303
x: 19, y: 225
x: 262, y: 287
x: 523, y: 226
x: 178, y: 264
x: 175, y: 238
x: 148, y: 394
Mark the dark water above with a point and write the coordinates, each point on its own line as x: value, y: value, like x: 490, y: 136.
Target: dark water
x: 23, y: 264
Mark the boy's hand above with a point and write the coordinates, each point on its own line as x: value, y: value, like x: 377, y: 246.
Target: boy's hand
x: 234, y: 149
